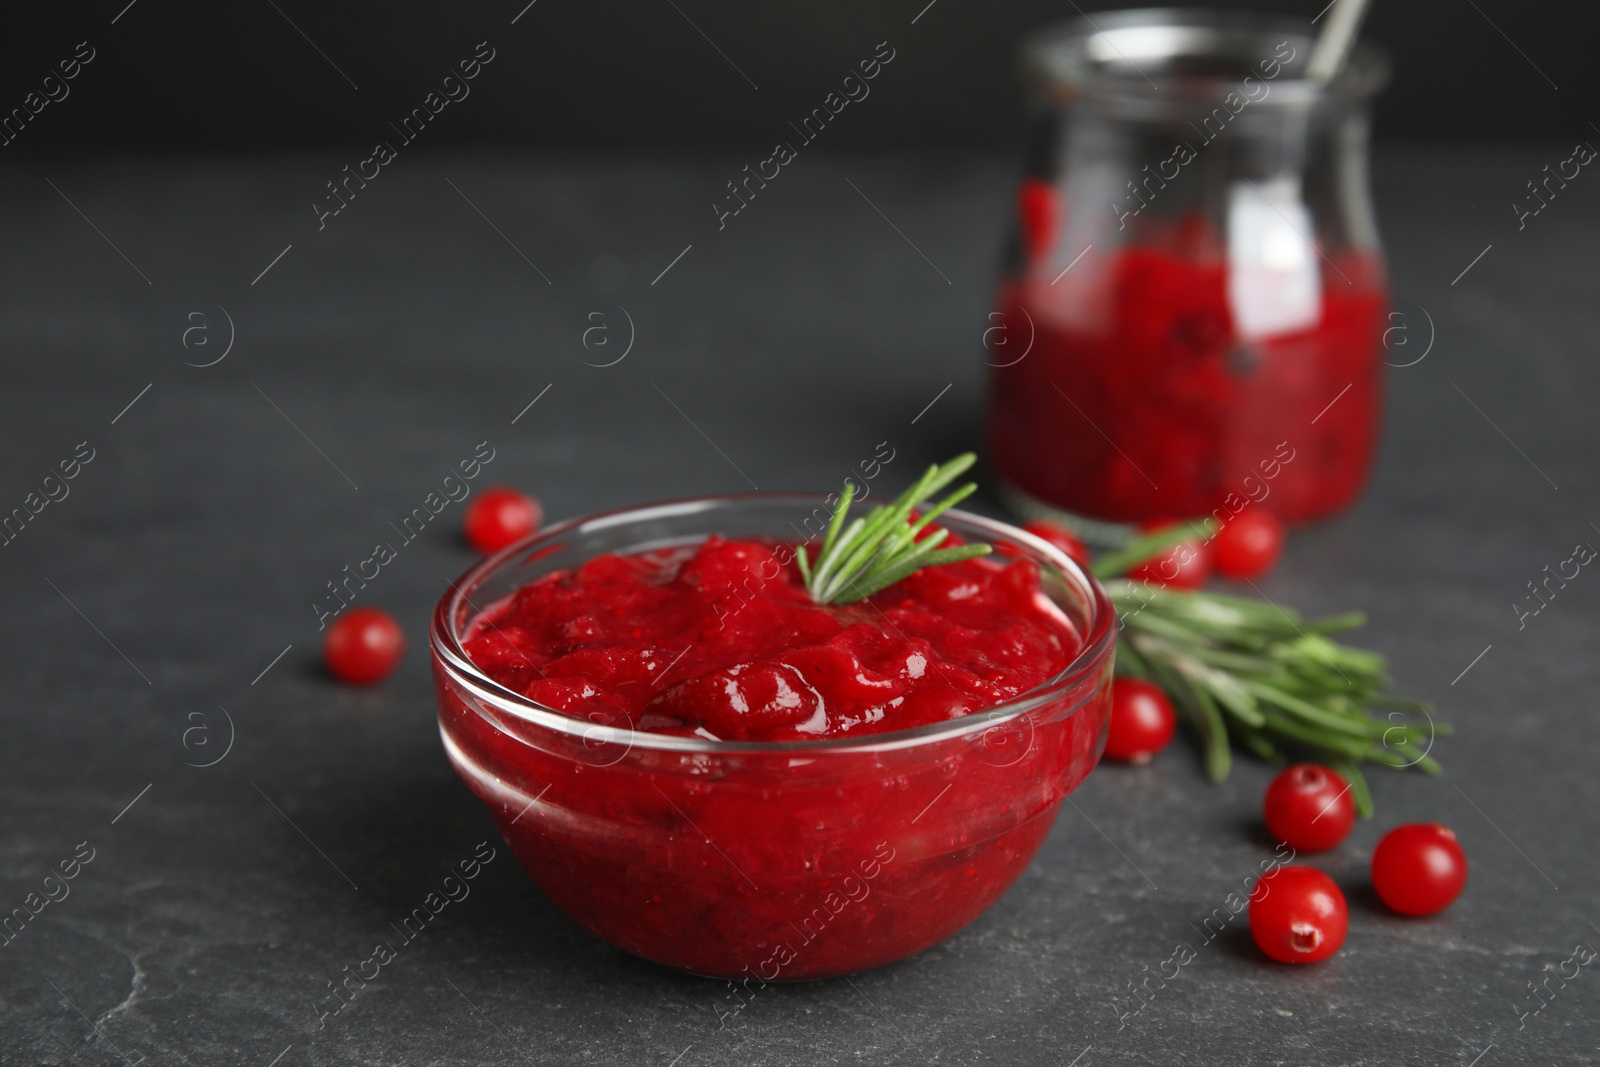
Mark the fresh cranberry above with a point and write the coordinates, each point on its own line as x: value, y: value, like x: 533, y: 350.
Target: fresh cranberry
x: 1310, y: 808
x: 1419, y: 868
x: 363, y: 646
x: 1142, y: 721
x: 1061, y: 537
x: 1186, y: 565
x: 1038, y: 212
x: 500, y: 517
x: 1248, y: 545
x: 1298, y: 915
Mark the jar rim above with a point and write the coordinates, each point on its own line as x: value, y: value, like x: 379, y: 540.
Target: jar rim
x: 450, y: 656
x: 1158, y: 59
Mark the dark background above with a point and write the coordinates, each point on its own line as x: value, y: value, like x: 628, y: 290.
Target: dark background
x: 846, y: 307
x: 203, y: 76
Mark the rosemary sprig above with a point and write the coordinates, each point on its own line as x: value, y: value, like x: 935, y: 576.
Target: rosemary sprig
x: 1142, y: 548
x: 1261, y: 676
x: 874, y: 552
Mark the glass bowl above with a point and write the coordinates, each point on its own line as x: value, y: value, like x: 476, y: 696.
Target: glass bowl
x: 770, y: 861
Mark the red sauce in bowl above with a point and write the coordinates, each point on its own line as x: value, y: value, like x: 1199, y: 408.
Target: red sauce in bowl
x: 737, y: 782
x: 724, y: 642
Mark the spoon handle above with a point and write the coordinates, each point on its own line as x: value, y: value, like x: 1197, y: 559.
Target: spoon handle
x: 1333, y: 44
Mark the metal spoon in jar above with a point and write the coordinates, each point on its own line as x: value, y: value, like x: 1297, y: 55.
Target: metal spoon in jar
x: 1333, y: 43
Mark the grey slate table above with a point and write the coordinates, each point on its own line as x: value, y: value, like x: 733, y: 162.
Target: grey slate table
x: 165, y: 606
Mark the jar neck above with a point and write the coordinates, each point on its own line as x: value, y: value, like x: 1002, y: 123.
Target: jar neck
x: 1165, y: 65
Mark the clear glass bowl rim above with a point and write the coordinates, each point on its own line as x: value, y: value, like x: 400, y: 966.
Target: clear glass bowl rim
x: 445, y: 643
x: 1052, y: 58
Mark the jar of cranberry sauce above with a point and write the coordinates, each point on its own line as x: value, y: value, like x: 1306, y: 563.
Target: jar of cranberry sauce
x: 1192, y: 309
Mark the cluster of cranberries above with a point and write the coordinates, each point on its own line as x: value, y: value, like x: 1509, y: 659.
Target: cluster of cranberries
x: 1298, y: 914
x: 1246, y: 546
x: 365, y: 645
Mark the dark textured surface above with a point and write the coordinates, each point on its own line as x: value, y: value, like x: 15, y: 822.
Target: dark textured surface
x: 207, y: 926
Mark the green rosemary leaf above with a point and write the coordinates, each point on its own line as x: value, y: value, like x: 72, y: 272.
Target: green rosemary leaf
x: 836, y: 523
x: 868, y: 554
x: 1233, y: 661
x: 1351, y: 772
x: 946, y: 473
x: 1236, y: 697
x: 884, y: 579
x: 1129, y: 662
x: 1308, y: 711
x: 1350, y: 620
x: 1219, y: 759
x: 902, y: 542
x: 1203, y: 716
x: 1150, y: 546
x: 1172, y: 630
x: 1322, y: 742
x: 868, y: 536
x: 1259, y: 746
x: 1261, y: 676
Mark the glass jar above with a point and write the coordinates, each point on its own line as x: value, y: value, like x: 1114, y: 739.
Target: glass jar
x: 1192, y: 307
x: 768, y: 861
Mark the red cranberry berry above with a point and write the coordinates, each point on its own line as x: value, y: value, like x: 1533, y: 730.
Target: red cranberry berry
x: 500, y: 517
x: 1186, y: 565
x: 1055, y: 534
x: 1309, y: 807
x: 363, y: 646
x: 1142, y: 721
x: 1248, y: 545
x: 1298, y: 915
x: 1419, y: 868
